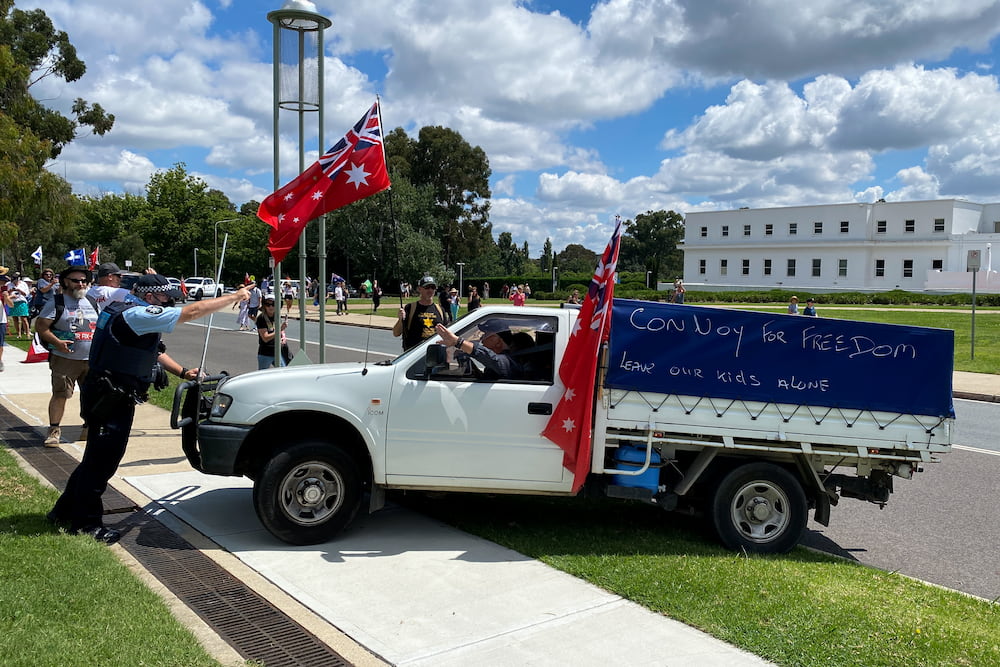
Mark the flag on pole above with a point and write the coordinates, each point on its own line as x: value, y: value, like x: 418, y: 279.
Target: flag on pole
x: 93, y: 258
x: 571, y: 421
x: 37, y: 256
x: 76, y: 257
x: 354, y: 168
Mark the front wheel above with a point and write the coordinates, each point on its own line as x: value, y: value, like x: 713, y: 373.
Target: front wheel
x: 308, y: 493
x: 198, y: 295
x: 759, y: 508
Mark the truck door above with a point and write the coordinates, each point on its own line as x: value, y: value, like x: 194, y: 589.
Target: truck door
x: 457, y: 426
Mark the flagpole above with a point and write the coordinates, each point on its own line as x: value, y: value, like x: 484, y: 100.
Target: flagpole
x: 321, y: 240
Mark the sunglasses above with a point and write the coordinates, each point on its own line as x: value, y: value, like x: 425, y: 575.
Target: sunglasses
x: 268, y: 303
x: 78, y: 281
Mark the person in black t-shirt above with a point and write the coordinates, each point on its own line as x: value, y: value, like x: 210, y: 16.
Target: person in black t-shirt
x: 416, y: 320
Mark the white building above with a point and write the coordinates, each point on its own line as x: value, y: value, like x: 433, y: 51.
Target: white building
x: 921, y: 245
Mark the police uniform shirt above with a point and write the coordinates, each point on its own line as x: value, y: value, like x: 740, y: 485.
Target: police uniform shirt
x: 152, y: 319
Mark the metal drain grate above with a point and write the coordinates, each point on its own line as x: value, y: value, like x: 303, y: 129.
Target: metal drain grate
x: 255, y: 628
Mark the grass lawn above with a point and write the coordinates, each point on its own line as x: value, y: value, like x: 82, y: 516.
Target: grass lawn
x: 67, y: 600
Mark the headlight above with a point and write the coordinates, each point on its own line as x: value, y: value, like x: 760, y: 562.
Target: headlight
x: 220, y: 405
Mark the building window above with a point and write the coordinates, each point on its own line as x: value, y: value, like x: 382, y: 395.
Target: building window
x: 937, y: 264
x: 746, y: 267
x: 842, y: 268
x: 938, y: 224
x: 701, y: 266
x: 768, y: 230
x: 767, y: 267
x: 880, y: 227
x: 907, y: 268
x: 791, y: 268
x: 909, y: 226
x: 817, y: 268
x: 704, y: 232
x: 793, y: 228
x: 817, y: 228
x: 996, y: 226
x: 845, y: 226
x: 880, y: 268
x: 725, y: 230
x: 746, y: 230
x: 723, y: 267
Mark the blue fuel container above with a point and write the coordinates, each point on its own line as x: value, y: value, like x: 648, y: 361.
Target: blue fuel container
x: 628, y: 457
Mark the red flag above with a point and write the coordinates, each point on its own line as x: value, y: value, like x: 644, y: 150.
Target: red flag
x: 93, y: 258
x: 571, y: 421
x: 353, y: 169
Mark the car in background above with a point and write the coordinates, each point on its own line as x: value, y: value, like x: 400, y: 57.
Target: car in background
x: 199, y: 288
x: 175, y: 282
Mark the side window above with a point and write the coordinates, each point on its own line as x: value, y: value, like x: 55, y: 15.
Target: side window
x: 527, y: 341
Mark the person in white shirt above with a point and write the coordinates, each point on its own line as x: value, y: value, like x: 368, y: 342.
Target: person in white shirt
x: 108, y: 288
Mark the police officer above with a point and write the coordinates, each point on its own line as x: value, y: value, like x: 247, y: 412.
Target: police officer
x: 124, y: 351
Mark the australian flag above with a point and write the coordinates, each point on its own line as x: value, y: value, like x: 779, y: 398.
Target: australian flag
x: 76, y: 257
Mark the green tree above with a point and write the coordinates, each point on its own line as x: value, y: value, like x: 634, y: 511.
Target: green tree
x: 181, y: 217
x: 576, y: 259
x: 650, y: 242
x: 458, y: 174
x: 546, y: 259
x: 42, y: 51
x: 36, y: 207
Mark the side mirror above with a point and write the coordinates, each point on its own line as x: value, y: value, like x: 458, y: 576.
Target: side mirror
x: 435, y: 359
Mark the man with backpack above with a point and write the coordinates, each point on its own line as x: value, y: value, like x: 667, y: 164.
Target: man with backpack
x: 417, y: 320
x: 66, y: 327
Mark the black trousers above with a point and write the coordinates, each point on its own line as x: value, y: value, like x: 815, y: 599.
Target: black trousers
x: 80, y: 504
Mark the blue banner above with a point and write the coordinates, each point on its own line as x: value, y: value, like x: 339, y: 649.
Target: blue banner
x: 767, y: 357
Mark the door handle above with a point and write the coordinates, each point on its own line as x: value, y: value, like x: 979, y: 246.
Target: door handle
x: 539, y: 408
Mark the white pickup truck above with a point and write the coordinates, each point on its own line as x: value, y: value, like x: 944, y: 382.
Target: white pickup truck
x: 749, y: 419
x: 202, y: 288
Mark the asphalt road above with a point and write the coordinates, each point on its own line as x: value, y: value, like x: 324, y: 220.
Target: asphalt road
x: 943, y: 526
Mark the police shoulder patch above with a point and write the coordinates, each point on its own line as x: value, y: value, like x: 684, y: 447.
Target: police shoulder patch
x: 154, y: 310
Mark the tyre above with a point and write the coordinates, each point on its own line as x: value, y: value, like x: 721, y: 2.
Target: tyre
x: 308, y: 493
x: 218, y: 293
x: 759, y: 508
x: 198, y: 295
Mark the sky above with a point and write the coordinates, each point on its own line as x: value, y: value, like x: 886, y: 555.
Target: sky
x: 585, y: 111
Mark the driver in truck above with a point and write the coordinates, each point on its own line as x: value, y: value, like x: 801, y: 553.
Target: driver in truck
x: 493, y: 350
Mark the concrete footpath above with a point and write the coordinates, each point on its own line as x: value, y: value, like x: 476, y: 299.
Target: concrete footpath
x: 396, y: 588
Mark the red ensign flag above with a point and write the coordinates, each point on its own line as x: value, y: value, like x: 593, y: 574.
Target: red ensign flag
x: 353, y: 169
x: 571, y: 421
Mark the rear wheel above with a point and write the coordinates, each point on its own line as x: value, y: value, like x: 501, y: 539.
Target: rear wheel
x: 308, y: 493
x: 759, y: 508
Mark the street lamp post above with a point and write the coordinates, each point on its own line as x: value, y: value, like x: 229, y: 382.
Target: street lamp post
x: 195, y: 262
x: 554, y: 269
x: 298, y: 87
x: 460, y: 283
x: 149, y: 259
x: 648, y: 273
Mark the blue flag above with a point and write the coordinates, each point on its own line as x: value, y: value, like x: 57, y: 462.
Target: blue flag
x: 37, y: 256
x: 76, y: 257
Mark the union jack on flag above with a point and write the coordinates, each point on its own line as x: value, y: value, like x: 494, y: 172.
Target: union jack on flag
x: 570, y: 424
x: 354, y: 168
